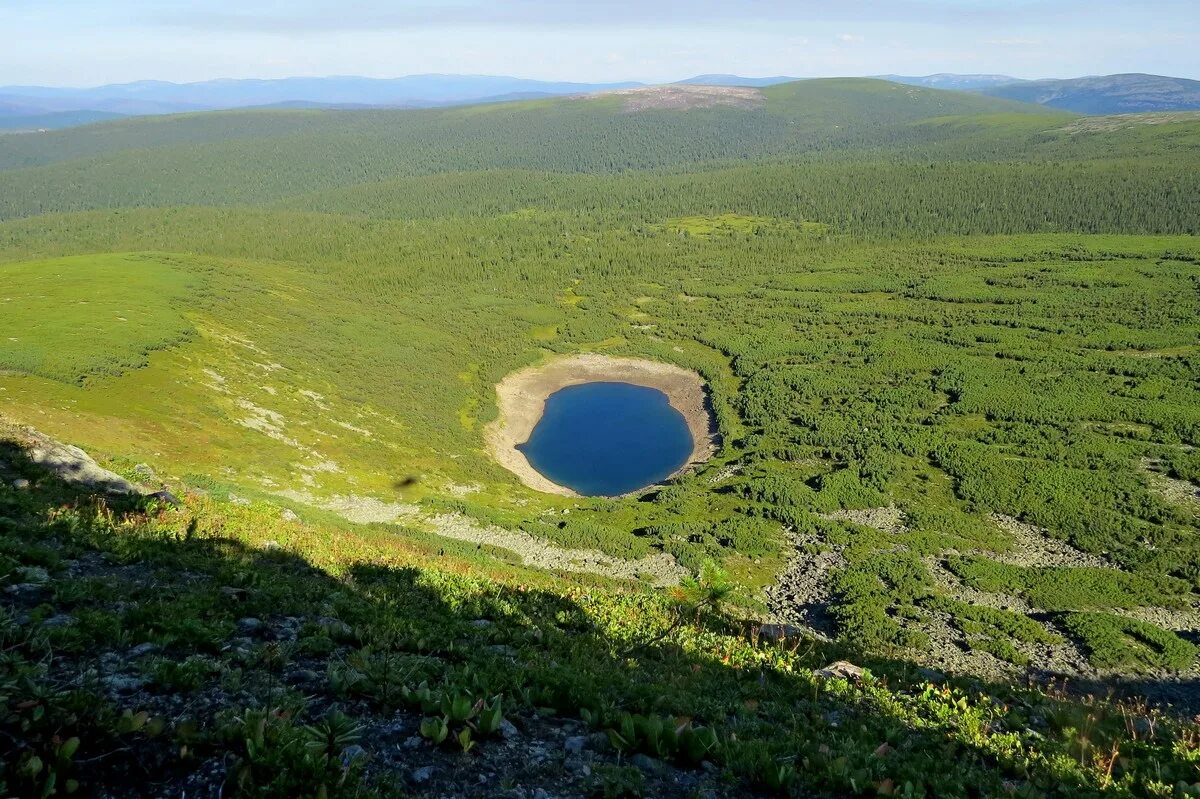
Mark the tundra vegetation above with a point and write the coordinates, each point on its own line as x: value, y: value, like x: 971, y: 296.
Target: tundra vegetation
x: 972, y: 313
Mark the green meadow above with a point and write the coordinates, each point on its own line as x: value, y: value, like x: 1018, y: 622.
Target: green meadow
x: 974, y: 317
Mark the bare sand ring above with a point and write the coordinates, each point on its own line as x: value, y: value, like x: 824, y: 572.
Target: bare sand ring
x: 521, y: 400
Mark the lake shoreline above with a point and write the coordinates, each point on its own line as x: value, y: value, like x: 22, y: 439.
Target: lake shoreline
x: 521, y: 400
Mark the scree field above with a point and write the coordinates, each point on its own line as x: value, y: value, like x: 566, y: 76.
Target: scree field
x: 952, y: 345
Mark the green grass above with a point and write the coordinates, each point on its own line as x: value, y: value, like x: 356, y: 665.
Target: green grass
x: 1117, y: 642
x: 72, y: 319
x: 1067, y: 588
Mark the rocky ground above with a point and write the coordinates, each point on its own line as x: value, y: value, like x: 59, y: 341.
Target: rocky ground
x: 800, y: 601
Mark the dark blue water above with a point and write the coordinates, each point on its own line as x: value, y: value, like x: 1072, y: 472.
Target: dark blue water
x: 605, y: 439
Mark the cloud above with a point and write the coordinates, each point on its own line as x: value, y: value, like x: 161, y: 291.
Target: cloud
x: 849, y: 38
x: 1015, y: 42
x: 324, y: 16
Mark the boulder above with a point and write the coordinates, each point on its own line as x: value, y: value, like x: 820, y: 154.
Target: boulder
x: 841, y: 669
x: 778, y: 632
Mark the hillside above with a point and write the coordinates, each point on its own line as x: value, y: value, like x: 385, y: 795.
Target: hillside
x: 949, y: 348
x: 1107, y: 94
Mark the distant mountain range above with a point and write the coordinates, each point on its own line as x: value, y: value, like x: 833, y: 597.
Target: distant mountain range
x: 736, y: 80
x: 38, y: 107
x: 1107, y: 94
x: 160, y: 97
x: 946, y: 80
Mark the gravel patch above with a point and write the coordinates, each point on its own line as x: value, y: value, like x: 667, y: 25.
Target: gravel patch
x: 660, y: 569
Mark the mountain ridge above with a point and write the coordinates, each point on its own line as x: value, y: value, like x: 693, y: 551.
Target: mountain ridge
x: 1124, y: 93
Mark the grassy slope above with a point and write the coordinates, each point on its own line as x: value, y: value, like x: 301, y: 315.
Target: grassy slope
x: 224, y: 635
x: 344, y: 337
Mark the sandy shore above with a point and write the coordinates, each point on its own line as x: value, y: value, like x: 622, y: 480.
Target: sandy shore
x: 521, y: 399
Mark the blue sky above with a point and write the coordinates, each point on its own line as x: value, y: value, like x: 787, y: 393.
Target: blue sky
x: 75, y: 43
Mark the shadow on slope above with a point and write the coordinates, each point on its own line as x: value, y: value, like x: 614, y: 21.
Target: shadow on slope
x: 183, y: 660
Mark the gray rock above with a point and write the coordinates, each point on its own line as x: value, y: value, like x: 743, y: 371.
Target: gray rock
x: 236, y: 500
x: 843, y: 669
x: 646, y: 763
x: 143, y: 650
x: 124, y: 684
x: 779, y: 632
x: 144, y: 471
x: 289, y: 515
x: 59, y: 620
x: 249, y: 625
x: 26, y: 590
x: 166, y: 498
x: 508, y: 730
x: 351, y: 754
x: 412, y: 742
x: 20, y: 484
x: 307, y: 676
x: 599, y: 742
x: 481, y: 623
x: 73, y: 465
x: 34, y: 574
x: 336, y: 628
x: 421, y: 775
x: 575, y: 744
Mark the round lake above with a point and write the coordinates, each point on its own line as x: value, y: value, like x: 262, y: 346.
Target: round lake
x: 606, y: 439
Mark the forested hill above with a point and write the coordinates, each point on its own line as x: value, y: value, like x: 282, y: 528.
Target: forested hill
x: 648, y: 127
x: 947, y: 162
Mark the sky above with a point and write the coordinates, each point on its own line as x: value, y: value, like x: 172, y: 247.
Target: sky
x: 77, y: 43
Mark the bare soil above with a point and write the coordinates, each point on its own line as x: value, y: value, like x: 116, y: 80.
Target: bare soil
x: 682, y: 97
x: 521, y: 400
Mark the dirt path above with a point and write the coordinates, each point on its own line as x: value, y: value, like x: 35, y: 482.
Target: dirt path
x: 521, y: 399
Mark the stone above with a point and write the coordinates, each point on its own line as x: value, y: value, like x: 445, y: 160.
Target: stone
x: 249, y: 625
x: 124, y: 684
x: 166, y: 498
x: 26, y: 590
x: 932, y: 675
x: 336, y: 628
x: 841, y: 669
x: 20, y: 484
x: 779, y: 632
x: 508, y: 730
x: 59, y: 620
x: 352, y: 754
x: 481, y: 623
x: 34, y: 574
x: 73, y: 465
x: 143, y: 650
x: 144, y: 471
x: 236, y: 500
x: 412, y: 742
x: 645, y: 763
x: 575, y: 744
x: 421, y: 775
x: 289, y: 515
